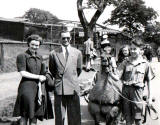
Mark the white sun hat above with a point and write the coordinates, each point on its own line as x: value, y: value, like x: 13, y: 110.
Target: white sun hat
x: 105, y: 42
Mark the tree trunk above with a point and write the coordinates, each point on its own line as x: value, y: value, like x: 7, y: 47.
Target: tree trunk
x: 88, y: 32
x: 88, y: 26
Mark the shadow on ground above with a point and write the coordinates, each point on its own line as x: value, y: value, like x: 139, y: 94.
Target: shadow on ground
x: 86, y: 117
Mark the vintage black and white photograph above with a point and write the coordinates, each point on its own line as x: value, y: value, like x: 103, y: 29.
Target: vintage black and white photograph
x: 80, y: 62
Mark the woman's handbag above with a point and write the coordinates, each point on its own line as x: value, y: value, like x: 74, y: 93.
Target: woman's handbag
x: 49, y: 81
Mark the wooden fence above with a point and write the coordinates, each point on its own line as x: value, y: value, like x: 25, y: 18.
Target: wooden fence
x: 10, y: 50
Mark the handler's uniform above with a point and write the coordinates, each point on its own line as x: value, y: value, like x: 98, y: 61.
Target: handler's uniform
x: 133, y: 77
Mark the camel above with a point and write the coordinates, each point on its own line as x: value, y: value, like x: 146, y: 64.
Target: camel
x: 105, y: 102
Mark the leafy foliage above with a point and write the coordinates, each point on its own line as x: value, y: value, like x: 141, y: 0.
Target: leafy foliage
x: 99, y: 4
x: 132, y: 15
x: 40, y: 16
x: 152, y: 32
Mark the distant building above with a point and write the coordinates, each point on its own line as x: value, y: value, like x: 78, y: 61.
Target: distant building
x: 19, y: 28
x: 12, y: 28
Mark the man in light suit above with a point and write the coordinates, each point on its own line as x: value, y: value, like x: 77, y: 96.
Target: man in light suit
x: 65, y: 64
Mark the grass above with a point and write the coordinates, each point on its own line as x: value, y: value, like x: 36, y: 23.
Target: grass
x: 6, y: 111
x: 12, y: 50
x: 6, y: 106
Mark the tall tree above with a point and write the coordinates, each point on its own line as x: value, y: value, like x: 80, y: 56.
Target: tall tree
x: 99, y: 6
x: 40, y: 16
x: 132, y: 15
x: 152, y: 32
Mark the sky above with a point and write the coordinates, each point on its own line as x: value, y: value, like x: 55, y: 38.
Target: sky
x: 63, y: 9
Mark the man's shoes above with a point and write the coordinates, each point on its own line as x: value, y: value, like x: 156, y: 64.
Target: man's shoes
x: 92, y: 69
x: 87, y: 70
x: 84, y: 68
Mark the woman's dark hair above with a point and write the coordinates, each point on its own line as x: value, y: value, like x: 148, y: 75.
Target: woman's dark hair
x: 34, y: 37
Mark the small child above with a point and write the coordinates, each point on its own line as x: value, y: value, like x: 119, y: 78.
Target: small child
x: 107, y: 60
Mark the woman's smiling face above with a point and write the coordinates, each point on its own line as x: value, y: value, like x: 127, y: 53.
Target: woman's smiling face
x: 34, y: 45
x: 125, y: 51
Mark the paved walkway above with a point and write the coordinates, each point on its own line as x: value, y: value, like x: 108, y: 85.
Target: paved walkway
x: 9, y: 84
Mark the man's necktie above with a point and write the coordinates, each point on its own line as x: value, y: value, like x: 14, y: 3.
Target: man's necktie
x: 66, y: 54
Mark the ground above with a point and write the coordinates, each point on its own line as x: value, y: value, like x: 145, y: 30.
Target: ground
x: 9, y: 84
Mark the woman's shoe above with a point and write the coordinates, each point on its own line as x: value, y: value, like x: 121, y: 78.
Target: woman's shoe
x: 33, y: 121
x: 23, y: 121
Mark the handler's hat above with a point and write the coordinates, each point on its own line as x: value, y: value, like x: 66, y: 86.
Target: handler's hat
x: 105, y: 42
x: 137, y: 42
x: 105, y: 36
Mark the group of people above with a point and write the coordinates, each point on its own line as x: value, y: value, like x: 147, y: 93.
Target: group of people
x: 133, y: 69
x: 65, y: 65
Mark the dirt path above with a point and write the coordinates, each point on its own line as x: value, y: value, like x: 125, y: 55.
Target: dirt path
x: 155, y: 85
x: 9, y: 84
x: 86, y: 118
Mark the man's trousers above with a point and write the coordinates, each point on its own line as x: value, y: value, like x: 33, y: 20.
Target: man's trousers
x: 71, y: 103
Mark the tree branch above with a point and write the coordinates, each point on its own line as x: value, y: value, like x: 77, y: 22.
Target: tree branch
x: 81, y: 15
x: 96, y: 16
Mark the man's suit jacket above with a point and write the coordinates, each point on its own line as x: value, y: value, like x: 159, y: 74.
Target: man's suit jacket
x: 65, y: 72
